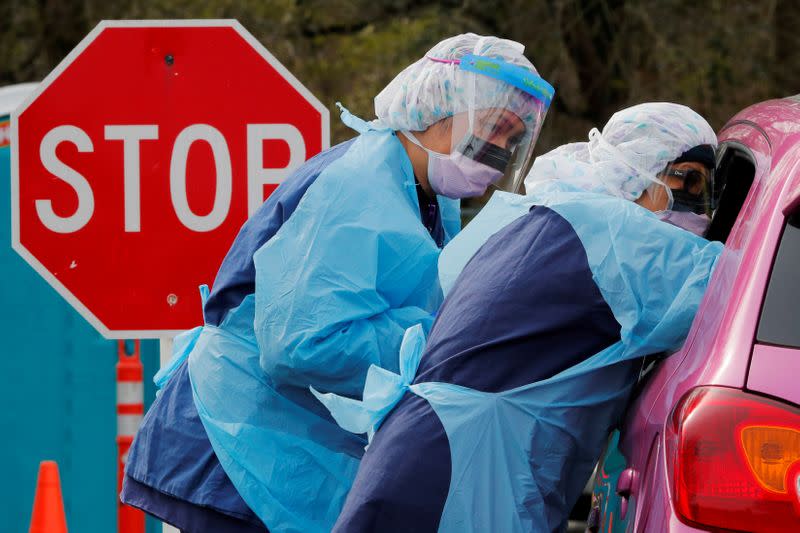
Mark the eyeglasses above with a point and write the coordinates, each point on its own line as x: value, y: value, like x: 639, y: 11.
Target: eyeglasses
x: 694, y: 181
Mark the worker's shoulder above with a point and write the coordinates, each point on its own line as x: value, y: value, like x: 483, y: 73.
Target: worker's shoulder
x: 372, y: 162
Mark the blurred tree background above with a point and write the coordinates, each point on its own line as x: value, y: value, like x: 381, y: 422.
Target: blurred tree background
x: 715, y: 56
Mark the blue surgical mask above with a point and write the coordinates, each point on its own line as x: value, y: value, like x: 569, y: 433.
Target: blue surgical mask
x: 457, y: 175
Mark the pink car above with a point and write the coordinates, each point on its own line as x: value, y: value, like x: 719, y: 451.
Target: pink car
x: 711, y: 440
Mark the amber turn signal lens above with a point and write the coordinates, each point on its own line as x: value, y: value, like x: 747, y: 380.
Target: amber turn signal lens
x: 770, y: 452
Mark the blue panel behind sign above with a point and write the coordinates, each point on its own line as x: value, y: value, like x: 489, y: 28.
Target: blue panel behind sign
x: 57, y: 394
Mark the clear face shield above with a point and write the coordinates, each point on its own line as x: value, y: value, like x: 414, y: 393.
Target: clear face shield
x: 492, y: 142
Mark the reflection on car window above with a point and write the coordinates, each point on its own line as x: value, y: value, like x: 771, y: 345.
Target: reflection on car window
x: 779, y: 322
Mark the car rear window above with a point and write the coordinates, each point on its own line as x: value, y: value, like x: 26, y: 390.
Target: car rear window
x: 780, y: 320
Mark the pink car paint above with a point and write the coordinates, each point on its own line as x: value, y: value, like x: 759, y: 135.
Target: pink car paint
x: 719, y: 349
x: 774, y: 371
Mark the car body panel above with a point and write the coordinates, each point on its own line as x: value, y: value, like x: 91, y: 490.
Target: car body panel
x: 774, y: 370
x: 719, y: 345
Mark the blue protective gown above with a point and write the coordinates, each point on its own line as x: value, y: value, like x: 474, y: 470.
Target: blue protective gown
x: 172, y: 471
x: 335, y: 289
x: 498, y: 424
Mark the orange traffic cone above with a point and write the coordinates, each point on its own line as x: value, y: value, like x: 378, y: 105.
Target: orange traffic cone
x: 48, y: 506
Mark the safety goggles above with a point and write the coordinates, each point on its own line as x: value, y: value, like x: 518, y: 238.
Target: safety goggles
x: 696, y: 194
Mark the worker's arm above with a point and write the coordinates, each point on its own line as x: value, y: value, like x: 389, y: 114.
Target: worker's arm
x: 339, y: 284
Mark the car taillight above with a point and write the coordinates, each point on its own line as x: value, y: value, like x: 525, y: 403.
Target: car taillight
x: 734, y: 461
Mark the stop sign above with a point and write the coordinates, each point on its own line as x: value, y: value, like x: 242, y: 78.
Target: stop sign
x: 139, y: 157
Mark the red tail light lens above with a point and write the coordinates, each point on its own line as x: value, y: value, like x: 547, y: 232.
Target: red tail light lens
x: 734, y: 461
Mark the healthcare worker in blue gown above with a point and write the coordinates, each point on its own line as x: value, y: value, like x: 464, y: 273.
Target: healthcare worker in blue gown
x: 321, y: 283
x: 552, y: 300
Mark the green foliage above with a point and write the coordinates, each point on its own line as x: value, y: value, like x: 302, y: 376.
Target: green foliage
x: 601, y: 55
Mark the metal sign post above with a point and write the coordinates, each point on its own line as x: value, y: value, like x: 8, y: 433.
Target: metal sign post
x: 130, y: 410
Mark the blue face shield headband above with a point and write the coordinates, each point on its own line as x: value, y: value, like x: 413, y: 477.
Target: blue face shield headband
x: 519, y: 77
x: 516, y: 76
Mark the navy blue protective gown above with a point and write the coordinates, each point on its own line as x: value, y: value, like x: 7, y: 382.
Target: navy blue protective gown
x: 172, y: 471
x: 500, y: 417
x: 511, y: 319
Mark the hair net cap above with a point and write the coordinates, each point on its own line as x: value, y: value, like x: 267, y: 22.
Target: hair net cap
x: 433, y: 88
x: 624, y: 159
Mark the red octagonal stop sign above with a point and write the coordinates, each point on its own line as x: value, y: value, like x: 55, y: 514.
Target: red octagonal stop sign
x: 139, y: 157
